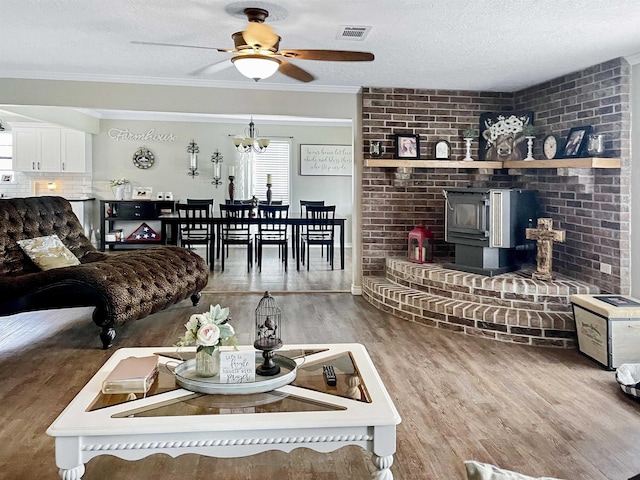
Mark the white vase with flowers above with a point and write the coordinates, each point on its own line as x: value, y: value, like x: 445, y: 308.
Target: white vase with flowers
x: 119, y: 187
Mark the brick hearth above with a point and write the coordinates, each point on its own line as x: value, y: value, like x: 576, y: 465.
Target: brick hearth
x: 510, y: 307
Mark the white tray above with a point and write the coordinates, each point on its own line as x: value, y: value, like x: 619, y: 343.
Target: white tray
x: 186, y: 377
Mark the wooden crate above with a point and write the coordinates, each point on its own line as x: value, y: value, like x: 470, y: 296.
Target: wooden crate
x: 608, y: 334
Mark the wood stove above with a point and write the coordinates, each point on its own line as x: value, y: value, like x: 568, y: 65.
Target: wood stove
x: 487, y: 226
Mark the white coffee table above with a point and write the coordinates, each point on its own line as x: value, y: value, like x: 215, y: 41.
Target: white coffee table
x: 173, y: 421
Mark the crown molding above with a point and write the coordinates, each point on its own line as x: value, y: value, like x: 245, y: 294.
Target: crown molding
x: 180, y: 82
x: 633, y: 59
x: 213, y: 118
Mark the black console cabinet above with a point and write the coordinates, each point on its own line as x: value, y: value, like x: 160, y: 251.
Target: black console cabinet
x: 131, y: 211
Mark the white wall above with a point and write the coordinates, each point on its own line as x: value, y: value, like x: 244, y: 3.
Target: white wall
x: 635, y: 181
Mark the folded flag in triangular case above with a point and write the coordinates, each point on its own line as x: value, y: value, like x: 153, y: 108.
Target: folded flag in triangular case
x: 144, y: 233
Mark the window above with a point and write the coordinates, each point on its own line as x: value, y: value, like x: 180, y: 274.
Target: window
x: 6, y: 145
x: 275, y: 161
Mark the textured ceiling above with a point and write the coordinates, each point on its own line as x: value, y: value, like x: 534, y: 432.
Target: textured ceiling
x: 499, y: 45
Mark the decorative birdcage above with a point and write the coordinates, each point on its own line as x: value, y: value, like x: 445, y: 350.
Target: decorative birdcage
x: 268, y: 332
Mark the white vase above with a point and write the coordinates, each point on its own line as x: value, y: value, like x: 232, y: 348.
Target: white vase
x: 118, y: 192
x: 207, y: 365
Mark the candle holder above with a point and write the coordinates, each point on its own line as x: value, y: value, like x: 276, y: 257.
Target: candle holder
x: 193, y: 150
x: 216, y: 159
x: 529, y: 148
x: 467, y: 145
x: 232, y: 188
x: 269, y: 194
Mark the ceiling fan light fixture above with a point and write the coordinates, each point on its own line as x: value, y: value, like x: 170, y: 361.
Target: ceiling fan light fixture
x: 256, y: 67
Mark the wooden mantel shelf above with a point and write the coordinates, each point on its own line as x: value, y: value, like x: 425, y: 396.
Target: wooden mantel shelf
x: 594, y: 162
x: 425, y: 163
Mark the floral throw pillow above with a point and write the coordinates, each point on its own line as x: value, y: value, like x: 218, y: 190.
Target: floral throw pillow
x: 485, y: 471
x: 48, y: 252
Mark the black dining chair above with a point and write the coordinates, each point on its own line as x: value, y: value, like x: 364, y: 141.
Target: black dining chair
x: 273, y: 233
x: 201, y: 201
x: 303, y: 212
x: 236, y: 230
x: 320, y: 230
x: 195, y: 226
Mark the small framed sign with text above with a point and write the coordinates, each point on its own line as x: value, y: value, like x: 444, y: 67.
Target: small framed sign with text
x: 237, y: 366
x: 326, y: 159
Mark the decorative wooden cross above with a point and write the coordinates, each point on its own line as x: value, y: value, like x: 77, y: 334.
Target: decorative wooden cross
x: 545, y: 236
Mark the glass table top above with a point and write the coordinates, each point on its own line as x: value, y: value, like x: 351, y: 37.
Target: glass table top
x: 309, y: 376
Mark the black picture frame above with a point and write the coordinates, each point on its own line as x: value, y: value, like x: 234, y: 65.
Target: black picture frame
x: 407, y: 146
x: 576, y: 142
x: 442, y: 150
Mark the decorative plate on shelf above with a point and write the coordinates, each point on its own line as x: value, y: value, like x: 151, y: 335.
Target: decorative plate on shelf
x: 143, y: 158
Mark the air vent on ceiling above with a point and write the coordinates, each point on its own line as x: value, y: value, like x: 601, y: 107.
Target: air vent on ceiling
x: 352, y: 32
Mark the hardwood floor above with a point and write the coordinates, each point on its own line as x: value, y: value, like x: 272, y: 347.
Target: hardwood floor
x: 273, y: 277
x: 539, y: 411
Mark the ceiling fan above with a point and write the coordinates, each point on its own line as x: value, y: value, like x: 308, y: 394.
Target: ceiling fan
x: 257, y: 53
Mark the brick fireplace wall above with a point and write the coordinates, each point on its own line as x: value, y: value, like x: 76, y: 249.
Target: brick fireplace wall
x: 591, y: 205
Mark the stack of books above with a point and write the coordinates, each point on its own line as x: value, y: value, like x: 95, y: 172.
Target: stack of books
x: 132, y: 375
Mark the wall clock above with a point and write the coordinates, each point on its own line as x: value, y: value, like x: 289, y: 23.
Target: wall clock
x: 552, y: 146
x: 143, y: 158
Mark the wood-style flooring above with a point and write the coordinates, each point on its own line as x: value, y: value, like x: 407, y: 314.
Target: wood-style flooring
x: 543, y: 412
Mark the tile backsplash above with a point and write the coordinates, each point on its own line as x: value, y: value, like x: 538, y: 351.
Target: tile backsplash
x: 68, y: 185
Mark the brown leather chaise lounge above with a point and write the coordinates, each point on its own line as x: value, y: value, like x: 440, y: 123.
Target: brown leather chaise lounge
x: 121, y: 286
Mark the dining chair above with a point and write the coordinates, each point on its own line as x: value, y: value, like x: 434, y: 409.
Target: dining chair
x: 273, y: 233
x: 236, y: 230
x: 319, y: 230
x: 195, y: 226
x: 201, y: 201
x: 303, y: 212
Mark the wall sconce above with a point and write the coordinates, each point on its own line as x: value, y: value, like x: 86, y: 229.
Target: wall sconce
x: 216, y: 158
x: 51, y: 186
x: 193, y: 150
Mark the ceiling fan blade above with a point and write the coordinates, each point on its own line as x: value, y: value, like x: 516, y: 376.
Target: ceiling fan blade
x: 181, y: 45
x: 260, y: 34
x: 212, y: 68
x: 328, y: 55
x: 290, y: 70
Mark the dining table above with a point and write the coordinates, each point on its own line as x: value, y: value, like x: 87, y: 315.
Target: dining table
x: 170, y: 224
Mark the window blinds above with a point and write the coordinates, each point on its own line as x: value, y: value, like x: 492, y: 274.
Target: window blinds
x: 275, y: 161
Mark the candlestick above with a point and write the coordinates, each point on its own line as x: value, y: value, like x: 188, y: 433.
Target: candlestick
x: 232, y: 187
x: 269, y: 193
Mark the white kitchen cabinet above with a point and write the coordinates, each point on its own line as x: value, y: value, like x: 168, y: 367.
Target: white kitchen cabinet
x: 75, y: 151
x: 51, y: 149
